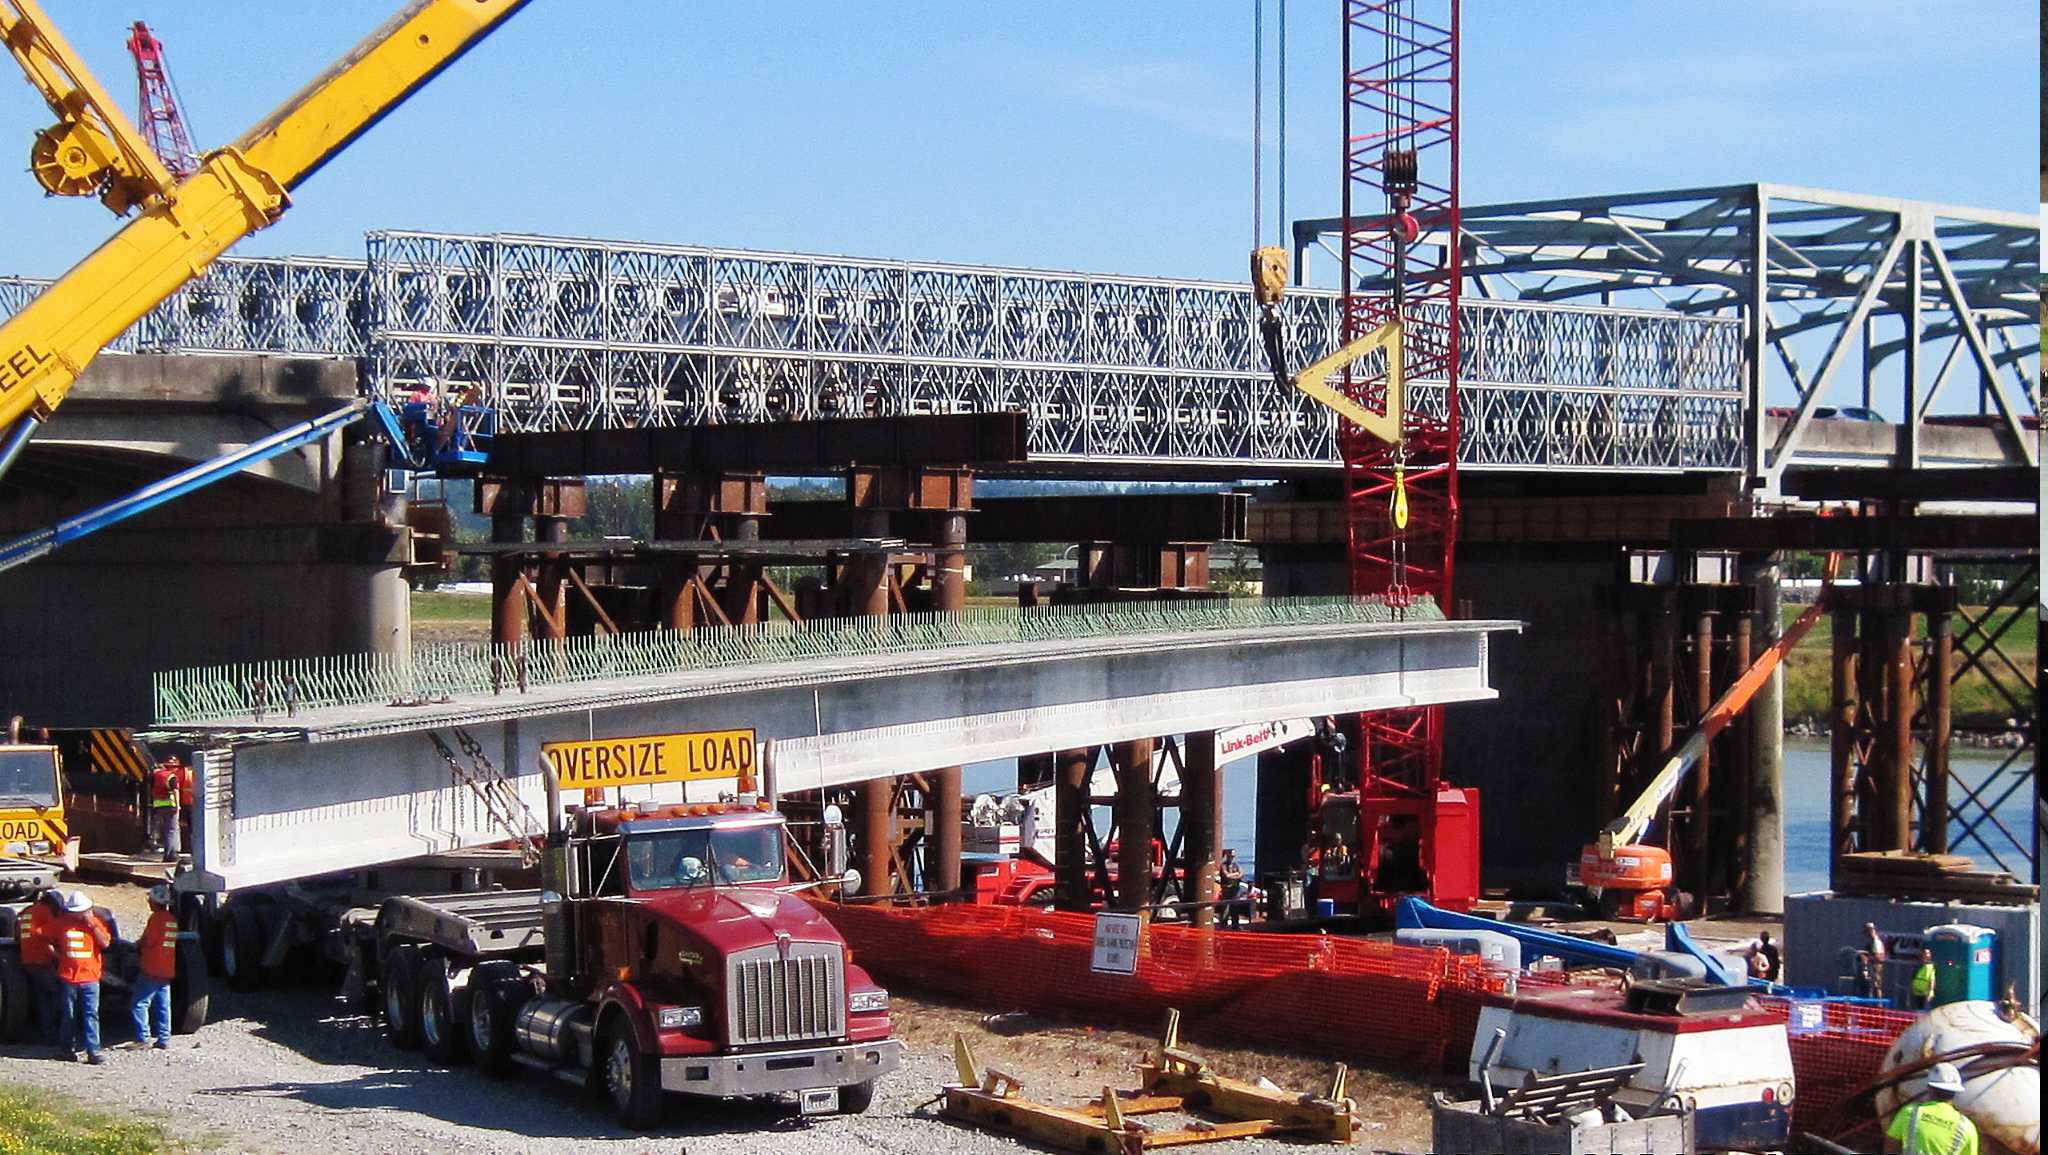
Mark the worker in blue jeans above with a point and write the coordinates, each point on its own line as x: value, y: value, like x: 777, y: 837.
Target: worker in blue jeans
x: 82, y: 940
x: 152, y: 999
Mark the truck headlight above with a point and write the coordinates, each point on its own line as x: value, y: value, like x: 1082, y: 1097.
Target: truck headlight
x: 867, y: 1002
x: 677, y: 1018
x: 17, y: 848
x: 39, y: 847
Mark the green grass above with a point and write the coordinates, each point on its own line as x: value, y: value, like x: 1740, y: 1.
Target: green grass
x: 1809, y: 681
x: 429, y: 606
x: 36, y: 1122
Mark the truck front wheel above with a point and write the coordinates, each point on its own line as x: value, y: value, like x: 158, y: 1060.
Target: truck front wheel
x: 401, y: 997
x: 856, y: 1099
x: 632, y: 1080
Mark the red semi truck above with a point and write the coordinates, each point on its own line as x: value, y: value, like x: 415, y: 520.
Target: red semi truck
x: 663, y: 953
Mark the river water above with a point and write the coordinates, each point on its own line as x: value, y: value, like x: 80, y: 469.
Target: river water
x: 1806, y: 807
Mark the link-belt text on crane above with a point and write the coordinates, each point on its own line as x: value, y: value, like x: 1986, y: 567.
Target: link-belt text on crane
x: 16, y: 367
x: 653, y: 758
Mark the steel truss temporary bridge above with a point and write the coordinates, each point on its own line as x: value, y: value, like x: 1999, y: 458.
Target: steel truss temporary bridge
x: 1142, y: 374
x: 1799, y: 268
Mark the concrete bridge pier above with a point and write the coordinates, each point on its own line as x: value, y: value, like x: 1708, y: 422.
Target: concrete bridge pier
x: 294, y: 558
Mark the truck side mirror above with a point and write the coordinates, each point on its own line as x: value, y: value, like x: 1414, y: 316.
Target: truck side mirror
x: 849, y: 881
x: 836, y: 849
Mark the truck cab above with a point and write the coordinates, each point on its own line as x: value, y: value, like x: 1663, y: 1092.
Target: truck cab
x: 32, y: 821
x: 664, y: 953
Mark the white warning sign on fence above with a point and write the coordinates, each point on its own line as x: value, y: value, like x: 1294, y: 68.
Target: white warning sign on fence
x: 1116, y: 944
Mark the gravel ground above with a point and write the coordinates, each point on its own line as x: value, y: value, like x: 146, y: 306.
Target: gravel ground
x: 289, y: 1071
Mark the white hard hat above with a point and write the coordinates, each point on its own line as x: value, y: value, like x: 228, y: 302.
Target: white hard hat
x: 1945, y: 1077
x: 77, y: 902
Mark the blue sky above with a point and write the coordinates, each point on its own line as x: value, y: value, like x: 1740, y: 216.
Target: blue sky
x: 1109, y: 136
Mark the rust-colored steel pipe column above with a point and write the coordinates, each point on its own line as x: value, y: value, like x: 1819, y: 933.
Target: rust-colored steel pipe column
x: 949, y: 595
x: 1135, y: 813
x: 1842, y: 735
x: 1897, y: 735
x: 1201, y: 819
x: 874, y: 802
x: 508, y: 604
x: 1699, y: 833
x: 1941, y: 662
x: 868, y: 596
x: 553, y: 585
x: 1070, y: 828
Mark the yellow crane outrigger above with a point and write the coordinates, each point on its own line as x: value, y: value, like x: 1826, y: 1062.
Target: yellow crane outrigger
x: 180, y: 227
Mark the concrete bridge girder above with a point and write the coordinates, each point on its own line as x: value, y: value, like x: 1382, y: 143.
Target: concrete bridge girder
x: 360, y: 793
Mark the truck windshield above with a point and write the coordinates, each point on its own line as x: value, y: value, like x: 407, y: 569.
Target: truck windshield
x: 28, y: 777
x: 705, y: 855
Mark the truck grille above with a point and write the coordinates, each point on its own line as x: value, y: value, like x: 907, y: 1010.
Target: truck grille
x: 773, y: 998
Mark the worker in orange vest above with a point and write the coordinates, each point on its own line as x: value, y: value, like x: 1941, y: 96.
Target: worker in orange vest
x: 184, y: 799
x: 39, y: 958
x: 163, y: 805
x: 152, y: 1002
x: 81, y: 940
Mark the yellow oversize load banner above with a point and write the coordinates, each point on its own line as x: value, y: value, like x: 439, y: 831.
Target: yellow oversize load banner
x: 654, y: 758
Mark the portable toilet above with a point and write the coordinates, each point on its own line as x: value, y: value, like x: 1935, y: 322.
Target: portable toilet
x: 1965, y: 962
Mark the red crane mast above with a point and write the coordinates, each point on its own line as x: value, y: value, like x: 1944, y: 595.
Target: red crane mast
x: 158, y: 112
x: 1401, y: 259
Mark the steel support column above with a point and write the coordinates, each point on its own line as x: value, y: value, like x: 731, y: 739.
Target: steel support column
x: 1762, y: 735
x: 949, y: 594
x: 1699, y: 830
x: 1896, y: 736
x: 1941, y: 660
x: 1070, y: 828
x: 1842, y: 735
x: 1136, y: 812
x: 1201, y: 819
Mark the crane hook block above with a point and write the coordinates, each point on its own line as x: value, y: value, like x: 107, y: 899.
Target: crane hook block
x: 1399, y: 505
x: 1269, y: 274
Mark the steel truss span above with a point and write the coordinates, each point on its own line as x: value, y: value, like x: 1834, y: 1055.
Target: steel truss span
x: 576, y: 333
x: 1112, y: 371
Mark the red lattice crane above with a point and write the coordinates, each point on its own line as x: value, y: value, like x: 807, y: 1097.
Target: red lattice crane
x: 158, y: 112
x: 1401, y: 261
x: 1400, y: 831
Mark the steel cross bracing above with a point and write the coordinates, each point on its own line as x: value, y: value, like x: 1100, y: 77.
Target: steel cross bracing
x: 1918, y: 294
x: 1112, y: 370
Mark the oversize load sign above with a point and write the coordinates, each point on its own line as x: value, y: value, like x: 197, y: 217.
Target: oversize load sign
x: 1116, y: 944
x: 654, y: 758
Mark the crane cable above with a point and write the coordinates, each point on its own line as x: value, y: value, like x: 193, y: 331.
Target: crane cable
x: 1258, y: 122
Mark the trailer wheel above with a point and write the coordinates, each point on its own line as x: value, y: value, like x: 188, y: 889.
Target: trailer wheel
x: 492, y: 1008
x: 189, y: 993
x: 401, y: 997
x: 631, y: 1080
x: 14, y: 998
x: 241, y: 948
x: 441, y: 1034
x: 856, y: 1099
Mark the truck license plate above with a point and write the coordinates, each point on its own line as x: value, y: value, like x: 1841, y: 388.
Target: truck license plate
x: 823, y: 1101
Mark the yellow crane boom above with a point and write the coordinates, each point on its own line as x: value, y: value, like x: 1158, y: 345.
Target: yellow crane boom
x: 180, y: 228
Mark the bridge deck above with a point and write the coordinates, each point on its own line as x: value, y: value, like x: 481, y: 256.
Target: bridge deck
x: 347, y: 786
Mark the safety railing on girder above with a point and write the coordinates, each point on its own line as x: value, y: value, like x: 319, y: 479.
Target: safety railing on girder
x: 275, y: 690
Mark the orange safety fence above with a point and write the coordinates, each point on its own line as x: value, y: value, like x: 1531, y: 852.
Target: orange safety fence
x: 1837, y: 1049
x: 1347, y: 998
